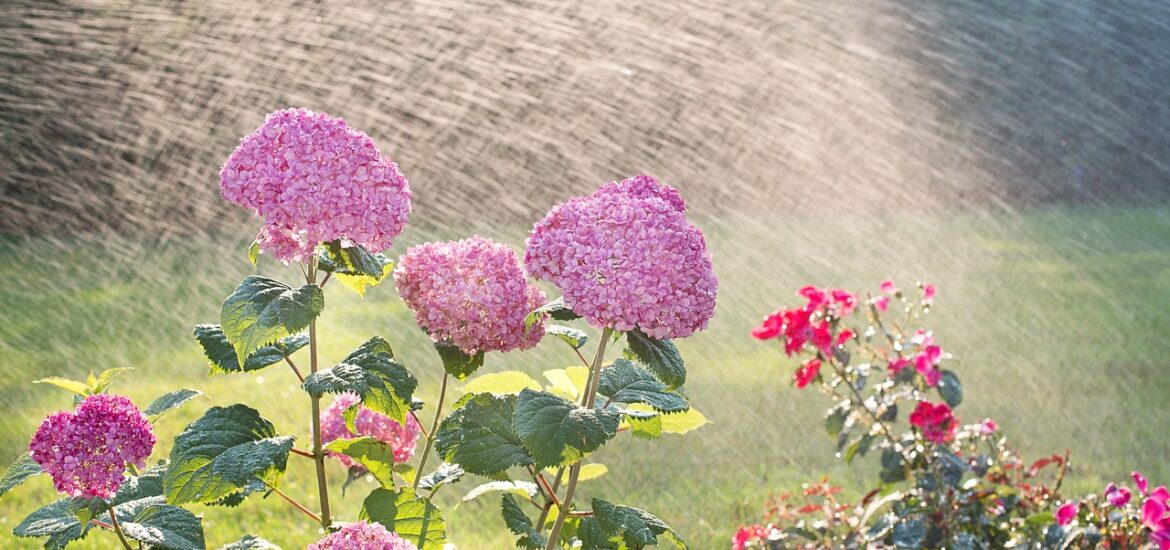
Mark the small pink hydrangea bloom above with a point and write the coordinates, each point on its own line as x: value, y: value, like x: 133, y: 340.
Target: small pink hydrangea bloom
x: 473, y: 293
x: 1067, y: 512
x: 363, y: 536
x: 626, y: 258
x: 86, y: 451
x: 402, y: 439
x: 313, y: 179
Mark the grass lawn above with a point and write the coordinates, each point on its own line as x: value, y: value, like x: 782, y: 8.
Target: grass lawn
x: 1060, y: 317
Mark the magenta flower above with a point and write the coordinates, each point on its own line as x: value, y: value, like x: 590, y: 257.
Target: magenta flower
x: 807, y: 372
x: 928, y: 294
x: 898, y: 364
x: 882, y: 303
x: 1153, y: 512
x: 927, y: 364
x: 988, y: 427
x: 937, y: 422
x: 1067, y: 512
x: 368, y: 423
x: 313, y: 179
x: 1117, y: 496
x: 363, y: 536
x: 1142, y: 484
x: 626, y: 258
x: 888, y: 287
x: 473, y: 293
x: 86, y: 451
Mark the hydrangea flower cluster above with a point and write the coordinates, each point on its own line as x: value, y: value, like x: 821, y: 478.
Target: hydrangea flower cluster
x: 625, y: 257
x: 363, y: 536
x: 314, y: 179
x: 86, y: 451
x: 937, y: 421
x: 473, y: 293
x: 368, y: 423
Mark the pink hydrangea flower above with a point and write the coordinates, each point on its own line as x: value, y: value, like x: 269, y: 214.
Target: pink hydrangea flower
x: 363, y: 536
x: 473, y: 293
x: 937, y: 422
x: 625, y: 257
x: 86, y: 451
x: 368, y: 423
x: 1067, y: 512
x: 313, y: 179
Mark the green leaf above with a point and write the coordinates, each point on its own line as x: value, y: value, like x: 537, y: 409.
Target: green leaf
x: 61, y: 521
x: 406, y: 472
x: 222, y: 356
x: 519, y: 524
x: 910, y: 533
x: 79, y: 388
x: 446, y: 473
x: 660, y: 356
x: 262, y: 311
x: 950, y: 389
x: 219, y: 454
x: 861, y: 446
x: 103, y: 381
x: 501, y: 383
x: 556, y: 432
x: 169, y: 402
x: 555, y: 309
x: 376, y: 455
x: 148, y: 484
x: 625, y: 382
x: 373, y: 374
x: 647, y: 426
x: 160, y: 525
x: 251, y: 542
x: 353, y: 266
x: 675, y: 423
x: 403, y: 512
x: 568, y: 382
x: 835, y: 421
x: 479, y: 436
x: 637, y: 528
x: 18, y: 472
x: 1040, y: 518
x: 521, y: 488
x: 592, y: 471
x: 457, y: 362
x: 573, y: 337
x: 254, y: 253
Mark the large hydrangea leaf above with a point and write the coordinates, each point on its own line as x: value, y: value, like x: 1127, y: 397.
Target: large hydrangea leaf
x: 625, y: 382
x: 556, y: 432
x: 479, y: 436
x: 61, y: 521
x: 519, y: 524
x: 660, y: 356
x: 222, y: 359
x: 373, y: 374
x: 353, y: 266
x: 457, y: 362
x: 159, y: 525
x: 376, y: 455
x: 636, y: 528
x: 169, y: 402
x: 262, y: 311
x: 220, y: 454
x: 251, y: 542
x: 414, y: 518
x: 17, y: 472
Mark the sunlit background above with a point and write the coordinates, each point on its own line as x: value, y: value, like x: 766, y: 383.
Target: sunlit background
x: 1013, y: 153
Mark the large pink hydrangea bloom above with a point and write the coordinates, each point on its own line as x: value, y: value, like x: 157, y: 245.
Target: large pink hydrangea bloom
x: 363, y: 536
x: 625, y: 257
x: 314, y: 179
x: 368, y: 423
x: 473, y: 293
x: 86, y: 451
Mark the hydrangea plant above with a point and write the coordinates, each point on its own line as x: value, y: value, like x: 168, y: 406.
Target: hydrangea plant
x: 624, y: 258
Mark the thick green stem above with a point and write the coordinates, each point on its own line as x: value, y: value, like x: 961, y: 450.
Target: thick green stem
x: 118, y: 529
x: 422, y: 461
x: 318, y: 452
x: 575, y: 469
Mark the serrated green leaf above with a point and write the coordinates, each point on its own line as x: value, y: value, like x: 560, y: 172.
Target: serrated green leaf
x: 568, y: 382
x: 520, y: 488
x: 592, y: 471
x: 221, y: 356
x: 219, y: 454
x: 457, y: 362
x: 374, y: 375
x: 645, y: 427
x: 637, y: 528
x: 262, y: 311
x: 519, y: 524
x: 479, y: 436
x: 353, y: 266
x: 556, y: 432
x: 103, y: 380
x: 858, y: 447
x: 62, y: 521
x: 445, y: 473
x: 501, y: 383
x: 625, y: 382
x: 147, y: 484
x: 376, y: 455
x: 660, y: 356
x: 555, y: 309
x: 18, y: 472
x: 169, y: 402
x: 574, y: 337
x: 950, y: 388
x: 160, y: 525
x: 403, y: 512
x: 676, y: 423
x: 251, y: 542
x: 254, y: 253
x: 79, y: 388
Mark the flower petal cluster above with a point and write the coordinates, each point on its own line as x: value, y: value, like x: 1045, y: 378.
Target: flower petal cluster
x: 1155, y: 510
x: 810, y: 323
x: 937, y: 421
x: 86, y: 451
x: 626, y: 258
x: 313, y: 179
x: 363, y: 536
x: 473, y: 293
x: 402, y: 439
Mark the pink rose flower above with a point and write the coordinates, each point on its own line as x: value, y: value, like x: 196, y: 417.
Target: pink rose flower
x: 937, y: 422
x: 807, y: 372
x: 1067, y: 512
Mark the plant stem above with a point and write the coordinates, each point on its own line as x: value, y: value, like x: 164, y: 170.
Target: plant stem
x: 548, y: 503
x: 297, y: 451
x: 295, y: 370
x: 420, y: 425
x: 295, y: 504
x: 315, y: 400
x: 118, y: 529
x: 422, y: 461
x: 575, y: 469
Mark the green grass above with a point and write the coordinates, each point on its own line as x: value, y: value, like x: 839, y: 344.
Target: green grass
x: 1060, y: 319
